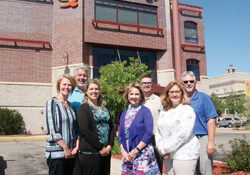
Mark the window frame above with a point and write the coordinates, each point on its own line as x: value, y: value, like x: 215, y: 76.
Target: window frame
x: 193, y: 26
x: 129, y: 5
x: 197, y: 63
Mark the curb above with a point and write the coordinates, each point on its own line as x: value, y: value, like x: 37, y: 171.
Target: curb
x: 9, y: 139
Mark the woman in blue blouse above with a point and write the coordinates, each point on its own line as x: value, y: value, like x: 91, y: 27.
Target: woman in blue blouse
x: 136, y: 127
x: 62, y: 142
x: 96, y: 127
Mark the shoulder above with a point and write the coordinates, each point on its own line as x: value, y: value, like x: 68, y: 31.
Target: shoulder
x: 84, y: 106
x: 144, y: 108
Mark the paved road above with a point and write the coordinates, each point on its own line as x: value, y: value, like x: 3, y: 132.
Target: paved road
x: 26, y: 157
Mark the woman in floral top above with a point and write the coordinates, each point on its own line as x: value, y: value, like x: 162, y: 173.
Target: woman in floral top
x: 175, y: 138
x: 136, y: 127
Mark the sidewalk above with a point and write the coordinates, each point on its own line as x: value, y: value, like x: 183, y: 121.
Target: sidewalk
x: 232, y: 130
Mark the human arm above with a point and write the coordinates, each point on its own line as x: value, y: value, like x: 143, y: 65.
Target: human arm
x: 111, y: 136
x: 67, y: 151
x: 132, y: 155
x: 211, y: 136
x: 125, y: 155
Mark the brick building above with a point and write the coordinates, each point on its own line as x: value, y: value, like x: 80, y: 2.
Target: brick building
x: 41, y: 39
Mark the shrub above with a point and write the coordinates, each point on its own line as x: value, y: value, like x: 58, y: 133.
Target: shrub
x: 116, y: 147
x: 247, y: 127
x: 11, y: 122
x: 239, y: 158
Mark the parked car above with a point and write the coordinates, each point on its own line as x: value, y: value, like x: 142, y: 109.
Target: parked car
x: 247, y: 122
x: 229, y: 122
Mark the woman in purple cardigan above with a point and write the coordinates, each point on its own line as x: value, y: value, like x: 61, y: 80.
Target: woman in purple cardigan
x: 136, y: 127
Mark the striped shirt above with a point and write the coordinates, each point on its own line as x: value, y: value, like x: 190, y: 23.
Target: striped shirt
x: 61, y: 125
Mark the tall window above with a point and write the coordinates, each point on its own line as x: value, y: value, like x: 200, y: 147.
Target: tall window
x: 103, y: 56
x: 126, y: 12
x: 193, y: 65
x: 190, y: 30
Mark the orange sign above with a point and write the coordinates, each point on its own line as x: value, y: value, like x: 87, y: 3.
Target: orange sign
x: 72, y: 3
x: 247, y: 85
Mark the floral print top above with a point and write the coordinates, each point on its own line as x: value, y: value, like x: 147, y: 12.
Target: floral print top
x: 102, y: 119
x: 174, y: 133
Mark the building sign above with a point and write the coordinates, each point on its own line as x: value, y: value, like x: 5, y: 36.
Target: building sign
x: 247, y: 85
x: 72, y: 3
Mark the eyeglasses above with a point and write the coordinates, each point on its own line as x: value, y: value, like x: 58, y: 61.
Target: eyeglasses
x: 190, y: 81
x: 174, y: 92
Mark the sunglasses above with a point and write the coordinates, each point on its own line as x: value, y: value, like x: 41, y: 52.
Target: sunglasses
x: 190, y: 81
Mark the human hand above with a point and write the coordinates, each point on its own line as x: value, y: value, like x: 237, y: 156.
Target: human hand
x: 108, y: 149
x: 125, y: 156
x: 132, y: 155
x: 166, y: 156
x: 210, y: 148
x: 67, y: 153
x: 74, y: 151
x: 103, y: 152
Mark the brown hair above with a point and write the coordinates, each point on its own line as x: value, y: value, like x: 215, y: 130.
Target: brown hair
x: 67, y: 76
x: 128, y: 89
x: 166, y: 103
x: 100, y: 100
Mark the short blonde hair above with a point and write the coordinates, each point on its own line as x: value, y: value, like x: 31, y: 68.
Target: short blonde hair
x: 166, y: 103
x: 128, y: 89
x: 67, y: 76
x: 100, y: 100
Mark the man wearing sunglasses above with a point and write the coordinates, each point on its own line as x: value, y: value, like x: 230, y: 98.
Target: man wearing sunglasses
x: 205, y: 126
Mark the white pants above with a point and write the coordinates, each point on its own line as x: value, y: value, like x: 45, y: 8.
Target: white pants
x: 205, y: 162
x: 180, y: 167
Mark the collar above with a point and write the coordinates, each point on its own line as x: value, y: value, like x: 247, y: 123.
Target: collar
x: 151, y: 97
x: 195, y: 95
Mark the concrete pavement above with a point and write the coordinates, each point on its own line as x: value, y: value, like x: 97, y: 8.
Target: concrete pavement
x: 9, y: 153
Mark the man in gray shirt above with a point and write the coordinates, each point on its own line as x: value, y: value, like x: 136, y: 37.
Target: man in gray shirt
x: 153, y: 102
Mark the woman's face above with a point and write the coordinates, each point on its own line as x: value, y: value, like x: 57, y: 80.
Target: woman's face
x: 175, y: 95
x: 134, y: 96
x: 65, y: 87
x: 93, y: 92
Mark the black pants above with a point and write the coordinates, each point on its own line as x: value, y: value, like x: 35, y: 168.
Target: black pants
x: 95, y: 164
x: 158, y: 157
x: 60, y: 166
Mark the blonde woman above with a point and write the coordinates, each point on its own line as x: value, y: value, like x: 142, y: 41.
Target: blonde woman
x: 175, y: 138
x: 62, y: 142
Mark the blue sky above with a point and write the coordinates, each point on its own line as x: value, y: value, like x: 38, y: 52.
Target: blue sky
x: 227, y: 34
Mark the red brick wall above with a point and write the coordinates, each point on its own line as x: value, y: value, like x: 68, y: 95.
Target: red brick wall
x: 27, y: 21
x: 127, y: 36
x: 67, y: 34
x: 201, y: 57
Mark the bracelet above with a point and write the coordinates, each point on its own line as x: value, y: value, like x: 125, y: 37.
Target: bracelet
x: 138, y: 149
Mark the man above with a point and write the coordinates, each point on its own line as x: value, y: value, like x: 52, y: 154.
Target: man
x: 205, y: 126
x: 153, y: 102
x: 76, y: 98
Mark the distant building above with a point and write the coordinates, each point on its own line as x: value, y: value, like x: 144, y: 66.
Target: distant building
x: 42, y: 39
x: 231, y: 82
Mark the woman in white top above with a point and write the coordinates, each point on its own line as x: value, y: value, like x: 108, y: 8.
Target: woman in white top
x: 175, y: 138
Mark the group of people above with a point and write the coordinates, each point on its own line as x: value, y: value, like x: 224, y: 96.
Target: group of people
x: 177, y: 128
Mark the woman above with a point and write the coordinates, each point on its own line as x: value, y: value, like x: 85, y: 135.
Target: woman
x: 62, y: 142
x: 175, y: 138
x: 136, y: 127
x: 97, y: 131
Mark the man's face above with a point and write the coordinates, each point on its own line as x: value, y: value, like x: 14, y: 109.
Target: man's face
x: 147, y: 85
x: 81, y: 77
x: 189, y: 83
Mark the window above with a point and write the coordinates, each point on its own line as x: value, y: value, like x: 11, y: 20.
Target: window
x: 126, y: 12
x: 193, y: 65
x: 190, y: 30
x: 103, y: 56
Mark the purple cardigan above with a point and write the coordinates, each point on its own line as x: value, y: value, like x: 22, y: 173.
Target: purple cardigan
x: 141, y: 129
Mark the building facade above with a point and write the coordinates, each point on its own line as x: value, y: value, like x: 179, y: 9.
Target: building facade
x: 42, y: 39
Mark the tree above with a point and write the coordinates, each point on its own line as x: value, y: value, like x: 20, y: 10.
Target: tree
x: 219, y: 105
x: 235, y: 103
x: 115, y: 77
